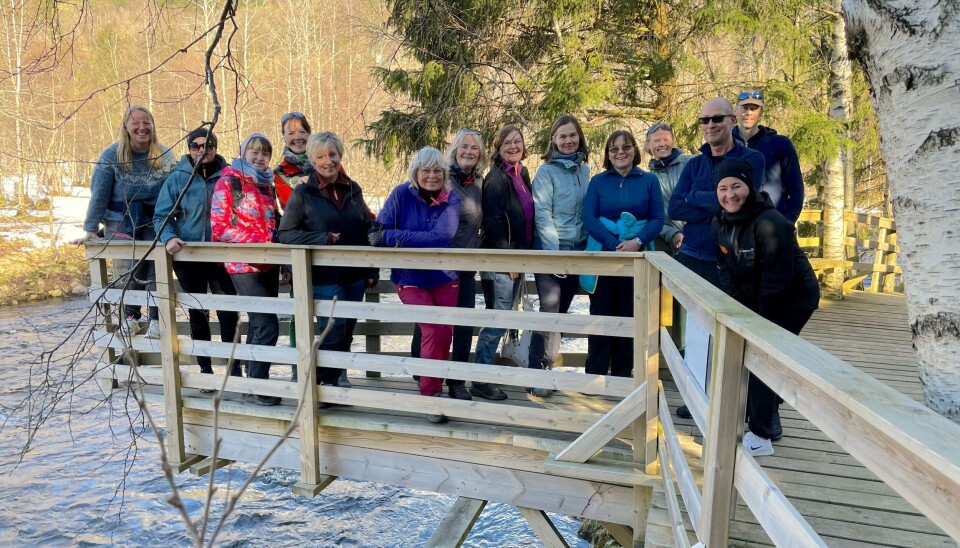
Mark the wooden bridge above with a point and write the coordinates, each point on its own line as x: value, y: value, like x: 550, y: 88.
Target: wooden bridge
x: 861, y: 462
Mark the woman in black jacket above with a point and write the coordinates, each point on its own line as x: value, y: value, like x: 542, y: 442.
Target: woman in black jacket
x: 329, y: 210
x: 761, y: 266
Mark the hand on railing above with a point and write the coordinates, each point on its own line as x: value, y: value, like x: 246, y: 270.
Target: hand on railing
x: 375, y: 236
x: 86, y: 238
x: 174, y: 246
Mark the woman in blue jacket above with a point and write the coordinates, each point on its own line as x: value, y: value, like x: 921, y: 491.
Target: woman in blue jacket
x: 558, y: 191
x: 622, y: 211
x: 189, y: 221
x: 424, y: 212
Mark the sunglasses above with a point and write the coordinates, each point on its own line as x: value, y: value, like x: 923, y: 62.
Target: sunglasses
x: 704, y: 120
x: 657, y: 127
x: 750, y: 95
x: 618, y: 150
x: 294, y: 114
x: 199, y: 146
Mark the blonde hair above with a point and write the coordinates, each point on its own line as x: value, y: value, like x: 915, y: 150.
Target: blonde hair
x: 451, y: 153
x: 426, y: 157
x: 324, y: 139
x: 125, y: 150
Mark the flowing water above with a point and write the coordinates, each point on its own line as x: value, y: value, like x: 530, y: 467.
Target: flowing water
x: 92, y: 477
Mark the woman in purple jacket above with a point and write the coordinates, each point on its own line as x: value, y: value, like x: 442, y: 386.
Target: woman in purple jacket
x: 424, y: 212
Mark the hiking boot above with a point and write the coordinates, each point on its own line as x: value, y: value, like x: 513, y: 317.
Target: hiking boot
x: 775, y: 427
x: 540, y: 392
x: 153, y: 331
x: 265, y: 401
x: 683, y: 412
x: 487, y: 391
x: 439, y: 418
x: 459, y: 392
x: 343, y: 381
x: 757, y: 446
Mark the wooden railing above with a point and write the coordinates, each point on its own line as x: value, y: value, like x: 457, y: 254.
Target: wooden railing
x: 881, y: 232
x: 538, y: 458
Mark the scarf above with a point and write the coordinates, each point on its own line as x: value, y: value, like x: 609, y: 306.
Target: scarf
x: 465, y: 179
x: 575, y: 157
x: 662, y: 164
x: 299, y: 161
x: 261, y: 177
x: 523, y: 194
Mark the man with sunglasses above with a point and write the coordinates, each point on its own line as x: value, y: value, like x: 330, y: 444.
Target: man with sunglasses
x: 784, y: 181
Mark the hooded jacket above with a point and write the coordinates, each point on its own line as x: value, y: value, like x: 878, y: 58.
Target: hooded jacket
x: 694, y: 200
x: 409, y: 221
x: 783, y: 181
x: 558, y: 191
x: 503, y: 219
x: 250, y: 216
x: 668, y: 172
x: 191, y: 222
x: 611, y: 194
x: 761, y: 264
x: 310, y: 216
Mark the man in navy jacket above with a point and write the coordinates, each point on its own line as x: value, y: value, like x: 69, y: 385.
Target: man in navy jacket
x: 783, y: 181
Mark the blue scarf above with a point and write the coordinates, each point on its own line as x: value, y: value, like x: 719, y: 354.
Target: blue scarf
x: 462, y: 176
x: 576, y: 157
x: 261, y: 177
x: 662, y: 164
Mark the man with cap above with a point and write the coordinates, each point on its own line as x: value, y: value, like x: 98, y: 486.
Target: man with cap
x: 783, y: 180
x: 762, y: 266
x: 194, y: 177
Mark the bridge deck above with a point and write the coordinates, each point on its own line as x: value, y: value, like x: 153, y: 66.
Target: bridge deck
x: 843, y: 501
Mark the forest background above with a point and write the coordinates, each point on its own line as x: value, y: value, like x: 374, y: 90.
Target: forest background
x: 390, y: 77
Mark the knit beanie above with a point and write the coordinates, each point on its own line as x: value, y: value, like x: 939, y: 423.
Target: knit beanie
x: 733, y: 168
x: 202, y: 132
x: 252, y: 136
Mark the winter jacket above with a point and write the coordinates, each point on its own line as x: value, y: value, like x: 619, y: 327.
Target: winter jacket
x: 191, y: 223
x: 558, y: 191
x: 127, y: 197
x: 285, y: 178
x: 694, y: 200
x: 503, y: 220
x: 248, y: 216
x: 761, y: 264
x: 408, y: 221
x: 470, y: 226
x: 311, y: 215
x: 668, y: 172
x: 611, y: 194
x: 783, y: 180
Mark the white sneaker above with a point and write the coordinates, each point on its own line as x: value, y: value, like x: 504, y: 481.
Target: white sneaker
x: 757, y: 446
x: 153, y: 332
x: 132, y: 326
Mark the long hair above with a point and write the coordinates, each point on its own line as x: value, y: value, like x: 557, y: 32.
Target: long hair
x: 451, y: 152
x: 501, y: 137
x: 562, y: 121
x: 125, y: 150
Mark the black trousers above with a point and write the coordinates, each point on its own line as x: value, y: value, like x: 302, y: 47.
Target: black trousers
x: 606, y: 354
x: 762, y: 402
x: 556, y: 294
x: 462, y: 334
x: 199, y: 278
x: 262, y: 329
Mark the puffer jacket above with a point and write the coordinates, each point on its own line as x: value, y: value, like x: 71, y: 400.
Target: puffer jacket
x: 248, y: 217
x: 191, y: 222
x: 558, y: 191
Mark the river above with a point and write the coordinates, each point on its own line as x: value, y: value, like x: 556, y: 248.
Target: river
x: 92, y: 477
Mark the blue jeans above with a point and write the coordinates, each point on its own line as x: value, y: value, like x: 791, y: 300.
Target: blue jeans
x: 506, y: 295
x: 340, y: 337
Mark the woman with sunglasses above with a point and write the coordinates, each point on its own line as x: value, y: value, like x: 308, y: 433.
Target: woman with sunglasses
x: 558, y: 191
x: 623, y: 211
x: 294, y: 165
x: 194, y: 177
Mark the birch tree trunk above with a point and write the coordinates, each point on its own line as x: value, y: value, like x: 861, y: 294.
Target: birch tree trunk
x: 910, y: 51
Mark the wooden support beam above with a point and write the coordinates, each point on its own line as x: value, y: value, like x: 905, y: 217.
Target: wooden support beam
x: 312, y: 489
x: 720, y: 443
x: 206, y: 465
x: 191, y: 460
x: 170, y: 357
x: 612, y: 423
x: 621, y: 533
x: 680, y: 539
x: 306, y: 370
x: 675, y: 456
x: 619, y: 472
x: 646, y: 366
x: 544, y: 528
x: 98, y: 281
x: 693, y: 396
x: 456, y: 525
x: 372, y: 342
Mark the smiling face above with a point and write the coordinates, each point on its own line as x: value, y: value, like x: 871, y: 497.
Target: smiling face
x: 139, y: 127
x: 295, y: 136
x: 468, y: 153
x: 660, y: 144
x: 430, y: 178
x: 197, y: 151
x: 732, y: 194
x: 719, y: 133
x: 327, y: 162
x: 621, y: 154
x: 257, y: 156
x: 566, y: 139
x: 511, y: 149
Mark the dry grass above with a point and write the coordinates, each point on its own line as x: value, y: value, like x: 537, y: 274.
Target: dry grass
x: 40, y: 273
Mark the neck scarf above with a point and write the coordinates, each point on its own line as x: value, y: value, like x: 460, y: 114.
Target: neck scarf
x: 575, y: 157
x: 661, y: 164
x: 299, y: 161
x: 261, y: 177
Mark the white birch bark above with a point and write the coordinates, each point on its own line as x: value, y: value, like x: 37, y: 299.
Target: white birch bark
x: 911, y: 51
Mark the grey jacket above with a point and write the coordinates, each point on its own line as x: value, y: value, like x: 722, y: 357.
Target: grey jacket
x: 558, y: 191
x: 668, y: 172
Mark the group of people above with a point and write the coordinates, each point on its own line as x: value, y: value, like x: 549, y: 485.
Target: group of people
x: 721, y: 214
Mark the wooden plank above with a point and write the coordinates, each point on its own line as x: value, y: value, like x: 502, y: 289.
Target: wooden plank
x: 312, y: 489
x: 99, y: 280
x: 620, y: 473
x: 693, y: 396
x: 673, y: 507
x: 306, y: 370
x: 544, y: 528
x: 810, y: 215
x: 871, y: 220
x: 609, y: 425
x: 621, y: 534
x: 170, y: 357
x: 207, y: 465
x: 458, y: 522
x: 647, y: 358
x: 775, y: 513
x: 872, y: 244
x: 721, y: 439
x: 692, y: 498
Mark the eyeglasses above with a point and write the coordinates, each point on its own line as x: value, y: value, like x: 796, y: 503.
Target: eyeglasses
x: 194, y: 146
x: 750, y: 95
x: 294, y: 114
x: 624, y: 149
x: 657, y: 127
x: 704, y: 120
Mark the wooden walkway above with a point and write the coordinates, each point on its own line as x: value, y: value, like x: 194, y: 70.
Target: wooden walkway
x: 843, y: 501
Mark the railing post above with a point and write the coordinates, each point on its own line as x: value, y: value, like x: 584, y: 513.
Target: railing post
x: 646, y: 365
x: 303, y: 311
x: 890, y: 279
x: 877, y: 278
x: 166, y: 301
x: 720, y: 443
x: 372, y: 341
x: 98, y: 281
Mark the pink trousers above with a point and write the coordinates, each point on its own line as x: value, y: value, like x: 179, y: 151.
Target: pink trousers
x: 435, y: 344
